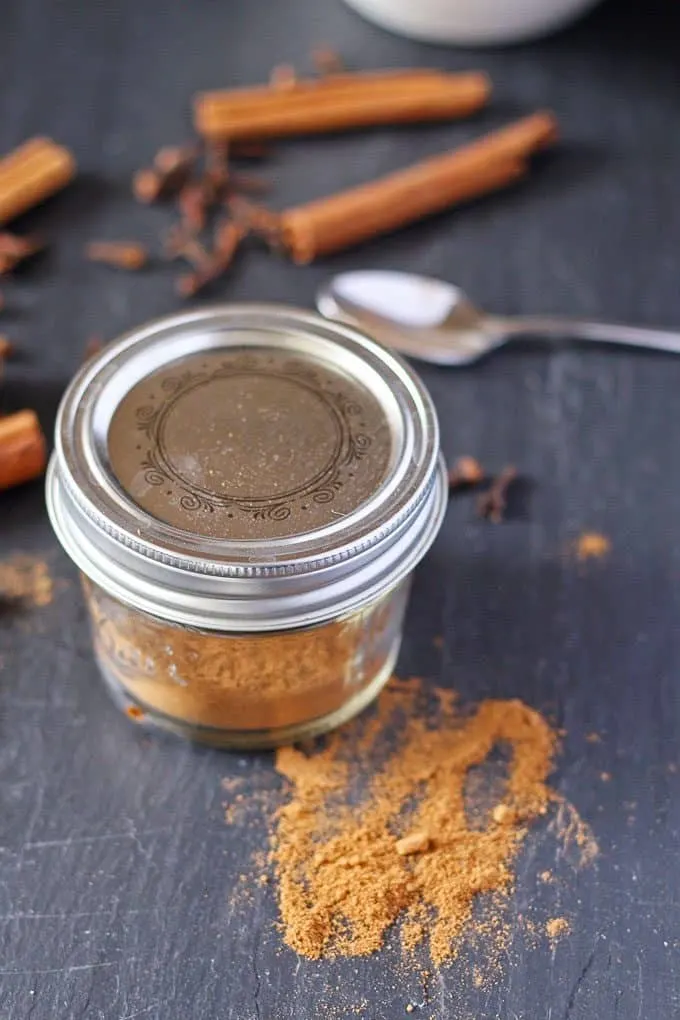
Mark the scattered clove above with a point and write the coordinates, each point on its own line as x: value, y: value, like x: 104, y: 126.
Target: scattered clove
x: 14, y: 250
x: 249, y: 149
x: 194, y: 202
x: 256, y: 219
x: 228, y: 236
x: 465, y: 473
x: 121, y: 254
x: 492, y: 503
x: 250, y: 183
x: 217, y: 165
x: 172, y: 168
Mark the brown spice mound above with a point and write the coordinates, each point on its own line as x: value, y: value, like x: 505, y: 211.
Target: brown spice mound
x: 342, y: 879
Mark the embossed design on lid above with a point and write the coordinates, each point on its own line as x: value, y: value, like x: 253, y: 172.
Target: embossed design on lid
x: 249, y: 443
x: 139, y: 491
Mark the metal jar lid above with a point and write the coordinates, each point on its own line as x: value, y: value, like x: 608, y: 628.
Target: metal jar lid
x: 246, y: 468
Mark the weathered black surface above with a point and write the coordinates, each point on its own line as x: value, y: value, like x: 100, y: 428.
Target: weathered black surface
x: 116, y: 868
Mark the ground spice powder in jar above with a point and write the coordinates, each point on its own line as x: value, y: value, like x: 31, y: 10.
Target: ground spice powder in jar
x: 246, y: 491
x: 398, y: 779
x: 249, y: 682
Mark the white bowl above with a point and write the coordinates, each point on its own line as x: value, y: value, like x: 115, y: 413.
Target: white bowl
x: 471, y: 22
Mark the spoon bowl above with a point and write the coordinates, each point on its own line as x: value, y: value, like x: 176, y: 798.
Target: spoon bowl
x: 434, y: 321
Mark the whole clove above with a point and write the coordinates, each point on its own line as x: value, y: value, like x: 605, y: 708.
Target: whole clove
x: 493, y: 503
x: 228, y: 236
x: 172, y: 167
x: 15, y: 249
x: 256, y: 219
x: 194, y: 202
x: 248, y: 148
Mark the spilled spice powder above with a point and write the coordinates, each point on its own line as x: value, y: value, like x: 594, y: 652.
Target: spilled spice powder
x: 591, y: 545
x: 404, y: 771
x: 556, y: 928
x: 25, y: 580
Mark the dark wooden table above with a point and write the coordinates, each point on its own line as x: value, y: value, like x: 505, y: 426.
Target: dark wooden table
x: 117, y: 871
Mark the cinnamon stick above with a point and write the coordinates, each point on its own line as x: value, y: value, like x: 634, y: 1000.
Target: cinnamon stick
x: 31, y: 173
x: 339, y: 102
x: 338, y: 221
x: 23, y: 452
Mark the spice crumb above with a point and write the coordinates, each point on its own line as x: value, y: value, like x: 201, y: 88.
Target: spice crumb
x: 409, y: 1007
x: 546, y: 876
x: 414, y: 843
x: 605, y: 776
x: 591, y: 545
x: 26, y: 580
x: 500, y: 813
x: 134, y: 712
x: 593, y: 738
x: 557, y: 927
x: 466, y: 472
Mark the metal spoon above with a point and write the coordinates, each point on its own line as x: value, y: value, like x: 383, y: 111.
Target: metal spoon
x: 433, y: 321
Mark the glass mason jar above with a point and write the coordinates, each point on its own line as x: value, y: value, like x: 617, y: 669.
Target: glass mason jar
x: 246, y: 491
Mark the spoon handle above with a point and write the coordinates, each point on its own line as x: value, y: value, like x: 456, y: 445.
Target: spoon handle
x: 580, y: 329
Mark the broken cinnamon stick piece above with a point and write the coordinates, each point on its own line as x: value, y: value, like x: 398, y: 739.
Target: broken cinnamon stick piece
x: 121, y: 254
x: 491, y: 504
x: 492, y: 162
x: 32, y: 173
x: 23, y: 451
x: 339, y: 102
